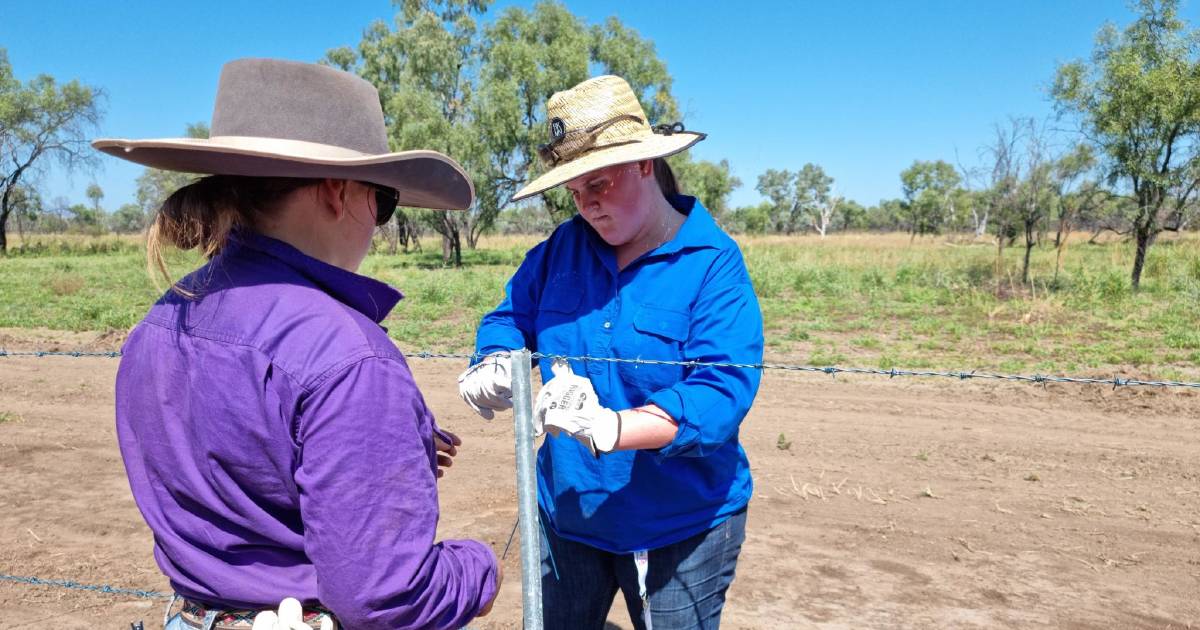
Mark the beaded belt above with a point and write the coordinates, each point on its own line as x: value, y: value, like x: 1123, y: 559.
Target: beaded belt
x: 194, y: 616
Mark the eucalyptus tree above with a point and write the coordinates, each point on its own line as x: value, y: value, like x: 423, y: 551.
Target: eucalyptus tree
x: 478, y: 91
x: 42, y: 121
x: 931, y: 190
x: 1138, y: 102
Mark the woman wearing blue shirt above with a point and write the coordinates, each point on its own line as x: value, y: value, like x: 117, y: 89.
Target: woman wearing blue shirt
x: 642, y: 482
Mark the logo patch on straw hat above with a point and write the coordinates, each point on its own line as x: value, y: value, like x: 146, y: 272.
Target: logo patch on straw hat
x: 558, y: 129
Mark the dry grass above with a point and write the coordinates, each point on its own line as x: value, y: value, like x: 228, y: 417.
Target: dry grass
x: 66, y: 285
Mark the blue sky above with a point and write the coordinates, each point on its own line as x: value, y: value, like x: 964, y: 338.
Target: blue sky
x: 861, y: 88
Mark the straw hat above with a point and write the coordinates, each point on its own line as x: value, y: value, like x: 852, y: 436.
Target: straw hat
x: 276, y: 118
x: 600, y: 123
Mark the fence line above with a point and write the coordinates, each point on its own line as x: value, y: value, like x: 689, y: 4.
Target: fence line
x: 99, y: 588
x: 533, y: 614
x: 961, y: 375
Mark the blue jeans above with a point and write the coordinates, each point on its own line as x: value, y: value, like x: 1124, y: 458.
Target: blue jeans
x: 686, y: 581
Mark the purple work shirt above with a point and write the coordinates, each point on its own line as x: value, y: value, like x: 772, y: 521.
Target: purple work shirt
x: 277, y: 446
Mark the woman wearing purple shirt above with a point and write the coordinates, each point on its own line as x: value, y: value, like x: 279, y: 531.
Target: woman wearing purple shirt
x: 273, y: 436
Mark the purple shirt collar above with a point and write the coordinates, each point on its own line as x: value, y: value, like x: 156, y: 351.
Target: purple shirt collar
x: 368, y: 296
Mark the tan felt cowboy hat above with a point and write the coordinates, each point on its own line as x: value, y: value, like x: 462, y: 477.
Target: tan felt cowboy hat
x: 276, y: 118
x: 600, y: 123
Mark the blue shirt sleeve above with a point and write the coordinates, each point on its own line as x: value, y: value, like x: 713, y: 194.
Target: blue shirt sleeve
x: 710, y: 402
x: 369, y: 504
x: 510, y: 326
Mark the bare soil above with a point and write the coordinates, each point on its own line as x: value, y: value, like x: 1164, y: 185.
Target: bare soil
x: 879, y: 503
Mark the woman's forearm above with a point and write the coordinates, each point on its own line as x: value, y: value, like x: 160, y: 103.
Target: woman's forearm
x: 645, y: 428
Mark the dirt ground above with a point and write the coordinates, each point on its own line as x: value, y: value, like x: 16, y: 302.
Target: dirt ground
x: 885, y: 504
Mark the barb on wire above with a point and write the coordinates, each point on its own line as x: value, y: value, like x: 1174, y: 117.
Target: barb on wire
x: 1043, y: 379
x: 99, y: 588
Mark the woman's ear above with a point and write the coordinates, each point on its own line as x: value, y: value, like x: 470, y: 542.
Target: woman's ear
x: 331, y: 197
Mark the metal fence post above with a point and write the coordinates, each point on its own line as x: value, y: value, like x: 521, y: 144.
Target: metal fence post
x: 527, y: 509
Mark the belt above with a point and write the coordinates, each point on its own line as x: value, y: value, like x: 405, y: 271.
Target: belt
x: 200, y: 617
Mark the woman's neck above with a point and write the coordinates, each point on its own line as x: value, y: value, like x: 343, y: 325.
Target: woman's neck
x: 661, y: 226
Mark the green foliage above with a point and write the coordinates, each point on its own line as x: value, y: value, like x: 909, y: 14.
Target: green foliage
x: 1138, y: 100
x: 931, y: 190
x: 94, y: 193
x: 86, y: 217
x: 128, y: 219
x: 41, y: 121
x: 749, y: 219
x: 478, y: 93
x: 800, y: 200
x: 711, y: 182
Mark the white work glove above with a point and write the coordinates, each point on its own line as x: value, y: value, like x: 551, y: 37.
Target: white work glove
x: 289, y: 617
x: 568, y: 404
x: 487, y: 386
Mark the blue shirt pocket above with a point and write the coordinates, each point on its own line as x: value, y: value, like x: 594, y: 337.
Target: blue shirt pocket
x: 658, y: 334
x: 557, y: 313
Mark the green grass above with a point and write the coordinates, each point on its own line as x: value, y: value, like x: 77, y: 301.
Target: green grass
x: 869, y: 300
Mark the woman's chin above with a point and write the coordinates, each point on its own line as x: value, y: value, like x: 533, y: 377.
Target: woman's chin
x: 613, y: 239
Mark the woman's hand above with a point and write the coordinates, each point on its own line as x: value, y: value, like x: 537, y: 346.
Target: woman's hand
x: 289, y: 617
x: 486, y: 387
x: 568, y: 404
x: 446, y: 450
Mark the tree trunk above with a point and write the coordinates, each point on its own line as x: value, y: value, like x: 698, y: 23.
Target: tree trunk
x: 1030, y: 233
x: 391, y: 232
x: 1060, y: 244
x: 1145, y: 227
x: 473, y: 237
x: 999, y: 255
x: 451, y: 244
x: 1145, y: 238
x: 981, y: 224
x: 5, y: 210
x: 21, y: 227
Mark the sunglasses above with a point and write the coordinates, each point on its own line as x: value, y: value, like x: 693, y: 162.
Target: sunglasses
x: 386, y: 200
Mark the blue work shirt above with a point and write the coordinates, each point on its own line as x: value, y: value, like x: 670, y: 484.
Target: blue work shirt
x: 690, y: 299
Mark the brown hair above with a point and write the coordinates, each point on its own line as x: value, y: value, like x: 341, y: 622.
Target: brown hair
x: 666, y: 178
x: 204, y: 213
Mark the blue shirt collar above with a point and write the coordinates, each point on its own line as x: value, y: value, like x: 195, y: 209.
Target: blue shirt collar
x: 368, y: 296
x: 699, y: 230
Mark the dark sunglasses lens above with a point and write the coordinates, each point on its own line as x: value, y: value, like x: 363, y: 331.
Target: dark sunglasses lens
x: 385, y: 205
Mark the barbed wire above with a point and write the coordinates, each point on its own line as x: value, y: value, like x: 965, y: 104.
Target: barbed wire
x: 1115, y: 381
x: 58, y: 353
x: 99, y: 588
x: 831, y: 370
